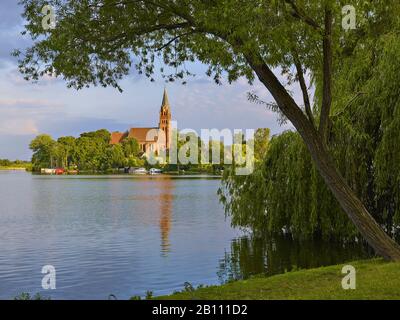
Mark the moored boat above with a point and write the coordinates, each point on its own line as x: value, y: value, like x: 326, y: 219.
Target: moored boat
x: 155, y: 171
x: 137, y: 171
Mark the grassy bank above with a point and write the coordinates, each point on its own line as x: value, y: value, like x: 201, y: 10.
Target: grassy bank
x: 15, y: 168
x: 6, y: 164
x: 375, y: 279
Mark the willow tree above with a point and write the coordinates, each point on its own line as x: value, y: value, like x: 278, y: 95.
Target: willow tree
x: 97, y: 42
x: 285, y: 194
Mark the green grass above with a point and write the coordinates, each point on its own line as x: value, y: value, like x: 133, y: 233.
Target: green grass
x: 25, y: 166
x: 12, y: 168
x: 375, y: 279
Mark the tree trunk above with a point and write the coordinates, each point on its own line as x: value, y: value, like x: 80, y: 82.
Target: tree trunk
x: 377, y: 238
x: 381, y: 242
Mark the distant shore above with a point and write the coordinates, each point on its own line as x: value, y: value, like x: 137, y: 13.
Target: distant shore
x: 13, y: 168
x: 114, y: 173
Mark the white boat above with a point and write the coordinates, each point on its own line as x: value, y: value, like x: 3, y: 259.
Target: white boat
x: 47, y: 171
x: 138, y: 171
x: 155, y: 171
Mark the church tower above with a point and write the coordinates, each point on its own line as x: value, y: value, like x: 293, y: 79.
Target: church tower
x: 165, y: 119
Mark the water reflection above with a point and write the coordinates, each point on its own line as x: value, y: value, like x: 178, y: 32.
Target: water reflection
x: 250, y: 256
x: 165, y: 199
x: 126, y: 235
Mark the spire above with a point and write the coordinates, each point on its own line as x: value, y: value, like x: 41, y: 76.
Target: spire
x: 165, y: 101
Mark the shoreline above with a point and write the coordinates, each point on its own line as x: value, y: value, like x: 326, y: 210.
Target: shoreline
x: 134, y: 176
x: 13, y: 169
x: 169, y: 174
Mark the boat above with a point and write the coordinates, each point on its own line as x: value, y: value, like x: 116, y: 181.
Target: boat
x: 47, y: 171
x: 155, y: 171
x: 59, y: 171
x: 137, y: 171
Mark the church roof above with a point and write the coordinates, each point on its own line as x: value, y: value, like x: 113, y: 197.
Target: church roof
x: 117, y: 137
x: 140, y: 134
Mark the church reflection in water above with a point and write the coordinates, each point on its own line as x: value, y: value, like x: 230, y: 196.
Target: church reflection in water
x: 165, y: 197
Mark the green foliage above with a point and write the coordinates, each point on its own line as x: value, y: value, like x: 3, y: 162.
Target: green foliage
x: 180, y: 31
x: 131, y: 148
x: 286, y: 194
x: 149, y: 295
x: 27, y: 296
x: 45, y: 151
x: 6, y: 163
x: 91, y: 151
x: 261, y: 141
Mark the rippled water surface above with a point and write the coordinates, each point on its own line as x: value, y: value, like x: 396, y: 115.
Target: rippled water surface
x: 126, y: 235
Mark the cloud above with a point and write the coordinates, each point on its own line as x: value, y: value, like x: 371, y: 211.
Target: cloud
x: 26, y: 103
x: 20, y: 116
x: 204, y: 104
x: 18, y: 127
x: 16, y: 78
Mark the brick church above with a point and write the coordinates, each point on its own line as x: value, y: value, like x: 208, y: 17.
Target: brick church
x: 152, y: 139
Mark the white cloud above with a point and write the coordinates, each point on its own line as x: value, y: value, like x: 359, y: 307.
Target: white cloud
x: 23, y: 103
x: 17, y: 127
x: 20, y: 116
x: 16, y: 78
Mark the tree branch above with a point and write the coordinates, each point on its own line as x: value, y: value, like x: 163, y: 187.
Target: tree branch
x: 358, y: 94
x: 285, y: 102
x: 174, y: 39
x: 327, y: 76
x: 300, y: 14
x: 303, y: 86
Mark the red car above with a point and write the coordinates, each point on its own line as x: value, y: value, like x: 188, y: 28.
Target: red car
x: 59, y: 171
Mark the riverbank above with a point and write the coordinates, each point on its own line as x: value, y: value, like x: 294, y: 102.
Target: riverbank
x: 375, y: 279
x: 187, y: 174
x: 13, y: 168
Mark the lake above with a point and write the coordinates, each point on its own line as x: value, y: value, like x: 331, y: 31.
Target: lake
x: 125, y: 235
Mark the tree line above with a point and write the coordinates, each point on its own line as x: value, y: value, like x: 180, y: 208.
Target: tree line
x: 14, y: 163
x: 91, y: 151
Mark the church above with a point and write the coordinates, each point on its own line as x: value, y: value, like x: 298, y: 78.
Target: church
x: 152, y: 139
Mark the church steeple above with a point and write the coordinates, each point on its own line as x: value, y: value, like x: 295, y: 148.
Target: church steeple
x: 165, y: 119
x: 165, y: 102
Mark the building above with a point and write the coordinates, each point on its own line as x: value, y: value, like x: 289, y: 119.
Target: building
x: 152, y: 139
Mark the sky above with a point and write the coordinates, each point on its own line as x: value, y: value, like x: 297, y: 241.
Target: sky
x: 48, y: 106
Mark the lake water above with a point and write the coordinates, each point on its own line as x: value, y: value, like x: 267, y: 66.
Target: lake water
x: 125, y: 235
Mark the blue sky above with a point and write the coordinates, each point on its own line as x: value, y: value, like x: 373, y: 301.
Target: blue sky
x: 28, y: 109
